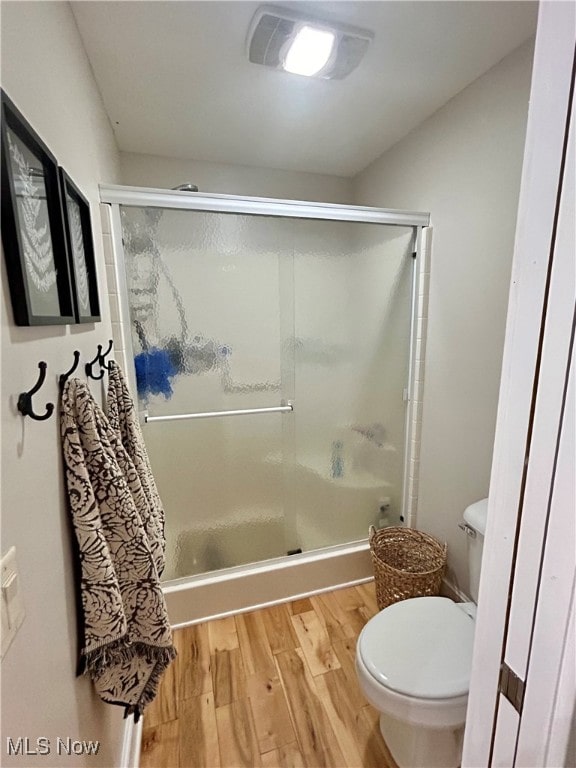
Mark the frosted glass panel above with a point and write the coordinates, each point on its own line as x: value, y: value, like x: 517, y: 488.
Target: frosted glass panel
x: 234, y: 312
x: 221, y: 490
x: 205, y: 307
x: 352, y: 340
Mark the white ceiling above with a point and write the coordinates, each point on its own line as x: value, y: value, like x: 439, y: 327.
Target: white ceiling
x: 176, y: 80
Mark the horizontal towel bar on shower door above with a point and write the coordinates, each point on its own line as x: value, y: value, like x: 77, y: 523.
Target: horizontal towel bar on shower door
x: 211, y: 414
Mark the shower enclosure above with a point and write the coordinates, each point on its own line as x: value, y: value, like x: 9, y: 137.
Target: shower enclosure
x: 270, y: 344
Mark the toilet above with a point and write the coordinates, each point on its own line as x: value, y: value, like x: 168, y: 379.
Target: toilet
x: 413, y: 661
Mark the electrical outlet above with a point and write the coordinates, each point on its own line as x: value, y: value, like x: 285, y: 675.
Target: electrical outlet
x: 11, y: 596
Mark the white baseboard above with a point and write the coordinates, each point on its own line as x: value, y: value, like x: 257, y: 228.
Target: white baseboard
x: 131, y: 743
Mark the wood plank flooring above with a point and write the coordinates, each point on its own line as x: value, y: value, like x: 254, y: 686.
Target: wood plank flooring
x: 274, y: 688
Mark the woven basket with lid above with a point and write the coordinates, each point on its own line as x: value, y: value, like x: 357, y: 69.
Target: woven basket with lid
x: 407, y: 563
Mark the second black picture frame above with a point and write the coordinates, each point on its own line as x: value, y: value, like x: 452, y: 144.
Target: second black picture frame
x: 80, y: 244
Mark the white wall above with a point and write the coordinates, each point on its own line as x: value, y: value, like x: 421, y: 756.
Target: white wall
x: 166, y: 172
x: 463, y: 165
x: 47, y: 75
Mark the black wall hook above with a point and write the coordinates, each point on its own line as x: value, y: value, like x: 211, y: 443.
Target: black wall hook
x: 105, y: 354
x: 97, y: 359
x: 63, y: 378
x: 25, y: 398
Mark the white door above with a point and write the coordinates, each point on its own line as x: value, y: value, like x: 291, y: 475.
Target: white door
x: 523, y: 680
x: 541, y: 605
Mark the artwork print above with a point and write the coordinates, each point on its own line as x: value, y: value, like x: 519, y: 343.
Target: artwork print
x: 33, y: 235
x: 34, y: 224
x: 78, y: 256
x: 80, y: 251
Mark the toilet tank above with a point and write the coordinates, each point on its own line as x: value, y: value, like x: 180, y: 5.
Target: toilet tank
x: 475, y: 517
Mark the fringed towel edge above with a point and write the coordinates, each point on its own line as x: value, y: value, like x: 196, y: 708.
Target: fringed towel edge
x: 123, y: 650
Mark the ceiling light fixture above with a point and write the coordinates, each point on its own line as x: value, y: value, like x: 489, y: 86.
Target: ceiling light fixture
x: 303, y: 45
x: 309, y: 51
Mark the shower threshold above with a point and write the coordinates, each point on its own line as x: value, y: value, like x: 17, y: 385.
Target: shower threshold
x: 257, y: 585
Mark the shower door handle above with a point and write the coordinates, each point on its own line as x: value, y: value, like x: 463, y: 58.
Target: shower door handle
x: 213, y: 414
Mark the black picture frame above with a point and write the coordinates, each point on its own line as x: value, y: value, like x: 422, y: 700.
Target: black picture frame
x: 80, y: 246
x: 32, y: 225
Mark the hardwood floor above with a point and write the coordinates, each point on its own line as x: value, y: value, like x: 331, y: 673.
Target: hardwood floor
x: 274, y: 688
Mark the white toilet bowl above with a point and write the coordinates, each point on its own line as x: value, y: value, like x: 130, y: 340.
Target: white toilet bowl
x: 413, y: 661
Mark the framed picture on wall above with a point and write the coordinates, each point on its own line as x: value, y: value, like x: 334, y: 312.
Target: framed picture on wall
x: 78, y: 229
x: 33, y: 225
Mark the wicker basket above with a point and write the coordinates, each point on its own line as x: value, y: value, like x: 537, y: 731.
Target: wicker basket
x: 407, y: 563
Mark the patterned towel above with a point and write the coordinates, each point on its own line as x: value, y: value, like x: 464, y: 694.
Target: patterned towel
x: 127, y: 638
x: 124, y: 421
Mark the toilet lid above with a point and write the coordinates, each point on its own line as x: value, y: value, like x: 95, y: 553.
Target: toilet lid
x: 420, y: 647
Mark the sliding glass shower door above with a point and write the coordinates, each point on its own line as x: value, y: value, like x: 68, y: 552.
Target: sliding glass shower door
x: 353, y: 284
x: 246, y: 315
x: 205, y: 305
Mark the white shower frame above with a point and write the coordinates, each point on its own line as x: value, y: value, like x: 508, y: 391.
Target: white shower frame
x: 246, y: 587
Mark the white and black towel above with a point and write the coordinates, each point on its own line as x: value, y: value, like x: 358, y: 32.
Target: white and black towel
x: 124, y: 420
x: 127, y: 637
